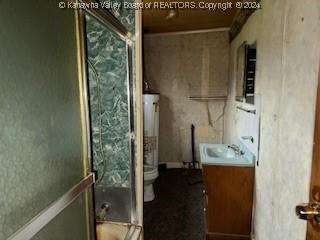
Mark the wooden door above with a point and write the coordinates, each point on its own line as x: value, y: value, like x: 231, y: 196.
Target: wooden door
x: 313, y: 230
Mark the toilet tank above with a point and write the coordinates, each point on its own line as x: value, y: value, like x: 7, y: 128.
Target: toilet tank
x: 151, y: 129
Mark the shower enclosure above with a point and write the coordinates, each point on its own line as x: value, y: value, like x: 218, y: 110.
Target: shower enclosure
x: 110, y: 87
x: 67, y: 111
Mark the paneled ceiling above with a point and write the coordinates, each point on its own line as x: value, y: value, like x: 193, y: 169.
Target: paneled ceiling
x: 157, y: 21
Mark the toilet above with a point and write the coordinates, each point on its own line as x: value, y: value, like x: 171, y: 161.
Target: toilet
x: 150, y: 143
x: 150, y: 174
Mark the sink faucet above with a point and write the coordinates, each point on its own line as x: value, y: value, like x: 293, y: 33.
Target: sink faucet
x: 236, y: 149
x: 248, y: 138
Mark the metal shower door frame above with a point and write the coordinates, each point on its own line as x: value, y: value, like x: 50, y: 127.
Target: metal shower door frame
x: 116, y: 27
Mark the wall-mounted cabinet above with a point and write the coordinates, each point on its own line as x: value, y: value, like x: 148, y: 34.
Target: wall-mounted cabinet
x: 246, y: 73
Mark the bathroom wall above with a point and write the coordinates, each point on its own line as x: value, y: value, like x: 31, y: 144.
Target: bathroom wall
x: 107, y: 58
x: 287, y: 35
x: 173, y: 63
x: 41, y: 142
x: 118, y: 167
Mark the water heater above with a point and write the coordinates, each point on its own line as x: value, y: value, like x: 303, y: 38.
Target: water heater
x: 151, y: 129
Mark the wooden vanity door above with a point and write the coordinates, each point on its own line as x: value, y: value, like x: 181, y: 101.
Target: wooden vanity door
x: 230, y: 198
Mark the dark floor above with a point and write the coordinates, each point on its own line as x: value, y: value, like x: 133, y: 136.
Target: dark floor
x: 177, y: 211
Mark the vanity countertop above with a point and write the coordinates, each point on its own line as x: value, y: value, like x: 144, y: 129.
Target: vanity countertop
x: 224, y: 155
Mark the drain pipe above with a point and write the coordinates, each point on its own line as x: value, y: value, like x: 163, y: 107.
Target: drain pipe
x: 194, y: 161
x: 192, y: 164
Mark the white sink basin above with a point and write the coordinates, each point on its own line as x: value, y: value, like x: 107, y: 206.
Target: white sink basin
x: 221, y: 154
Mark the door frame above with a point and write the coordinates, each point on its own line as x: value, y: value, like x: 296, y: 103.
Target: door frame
x: 84, y: 105
x: 314, y: 195
x: 139, y: 115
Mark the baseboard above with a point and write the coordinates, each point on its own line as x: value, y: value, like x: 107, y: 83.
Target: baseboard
x: 221, y: 236
x: 172, y: 165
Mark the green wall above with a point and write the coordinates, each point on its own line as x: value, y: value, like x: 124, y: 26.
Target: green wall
x: 107, y: 65
x: 40, y: 141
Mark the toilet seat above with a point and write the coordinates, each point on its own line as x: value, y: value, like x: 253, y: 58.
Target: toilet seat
x: 150, y: 172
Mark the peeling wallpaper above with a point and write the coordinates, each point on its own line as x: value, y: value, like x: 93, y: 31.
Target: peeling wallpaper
x: 172, y: 64
x: 287, y: 35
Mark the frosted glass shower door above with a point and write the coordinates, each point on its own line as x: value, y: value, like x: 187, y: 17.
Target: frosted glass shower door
x: 42, y: 152
x: 110, y: 89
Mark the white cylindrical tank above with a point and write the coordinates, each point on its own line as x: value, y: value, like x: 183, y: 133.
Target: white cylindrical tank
x: 151, y: 129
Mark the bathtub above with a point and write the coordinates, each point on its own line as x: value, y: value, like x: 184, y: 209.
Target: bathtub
x: 117, y: 231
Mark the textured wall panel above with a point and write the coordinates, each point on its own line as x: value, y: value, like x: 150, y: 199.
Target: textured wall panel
x: 107, y: 64
x: 173, y: 64
x: 287, y: 35
x: 40, y: 140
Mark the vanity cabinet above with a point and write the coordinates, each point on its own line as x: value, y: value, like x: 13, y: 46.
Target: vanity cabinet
x: 228, y: 197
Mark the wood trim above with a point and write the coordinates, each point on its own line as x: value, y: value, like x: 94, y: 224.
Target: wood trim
x: 221, y: 236
x: 187, y: 32
x: 139, y: 113
x: 313, y: 228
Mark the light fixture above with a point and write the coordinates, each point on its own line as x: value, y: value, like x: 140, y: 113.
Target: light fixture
x: 172, y: 14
